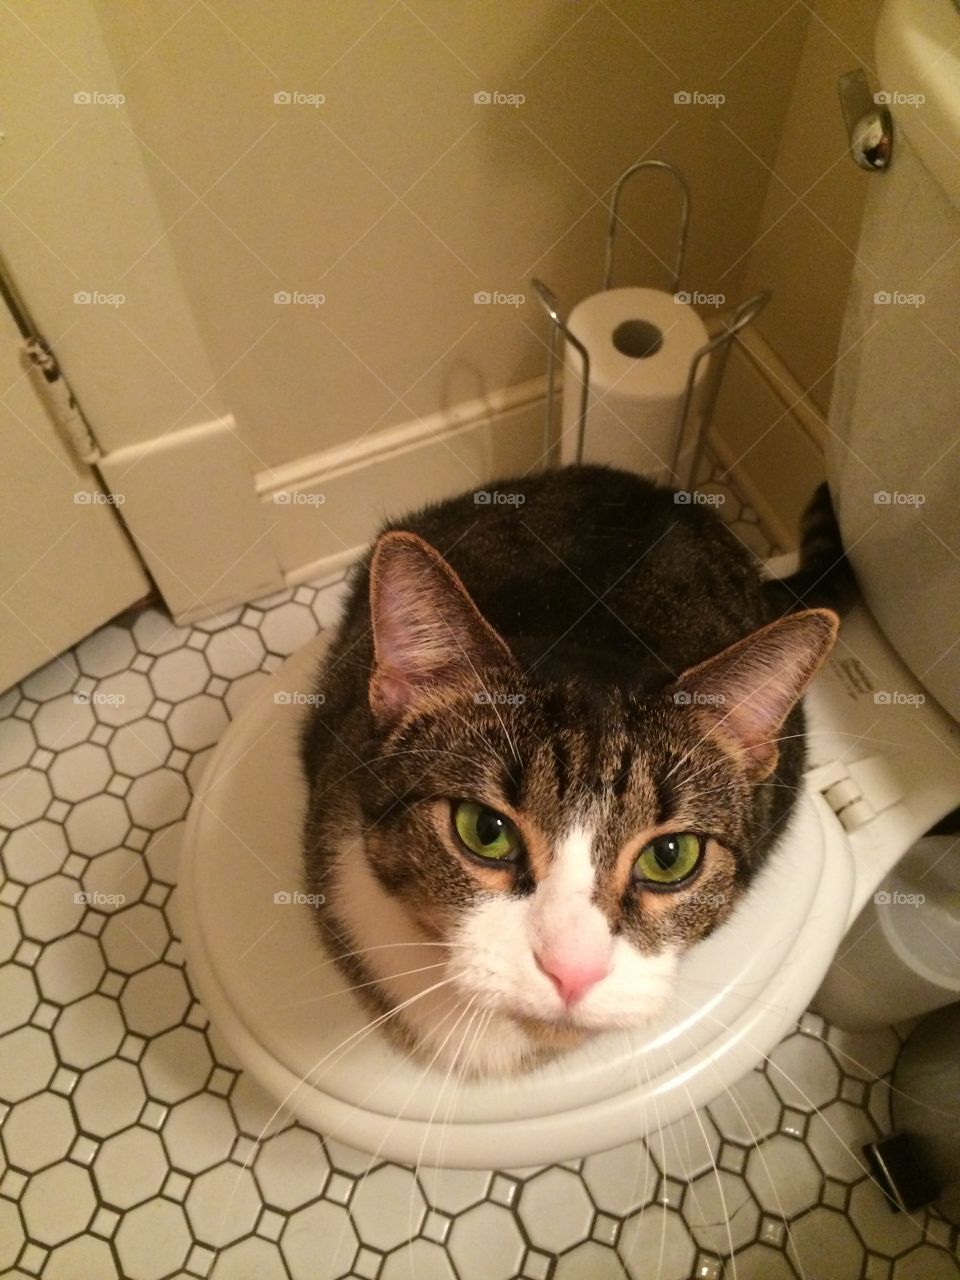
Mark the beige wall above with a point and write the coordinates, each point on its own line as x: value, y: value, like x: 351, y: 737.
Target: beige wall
x: 400, y: 197
x: 78, y: 217
x: 808, y: 229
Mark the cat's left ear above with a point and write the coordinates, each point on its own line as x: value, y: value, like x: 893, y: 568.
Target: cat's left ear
x: 427, y: 632
x: 745, y: 693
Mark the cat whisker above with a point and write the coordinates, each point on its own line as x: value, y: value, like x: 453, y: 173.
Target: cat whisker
x: 661, y: 1163
x: 490, y: 701
x: 399, y: 799
x: 486, y: 1017
x: 390, y: 755
x: 757, y: 689
x: 692, y: 777
x: 436, y: 1106
x: 796, y: 788
x: 330, y: 995
x: 482, y: 736
x: 765, y: 1057
x: 417, y: 1084
x: 689, y: 778
x: 354, y: 1037
x: 868, y: 738
x: 636, y: 1059
x: 872, y: 1076
x: 761, y: 1155
x: 430, y: 638
x: 367, y: 631
x: 357, y: 1036
x: 716, y: 1173
x: 356, y: 952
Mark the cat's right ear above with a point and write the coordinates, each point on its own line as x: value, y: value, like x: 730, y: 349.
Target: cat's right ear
x: 427, y: 632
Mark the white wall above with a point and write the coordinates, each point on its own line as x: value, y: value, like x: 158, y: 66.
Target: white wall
x: 770, y: 426
x: 397, y: 199
x: 78, y: 217
x: 810, y: 222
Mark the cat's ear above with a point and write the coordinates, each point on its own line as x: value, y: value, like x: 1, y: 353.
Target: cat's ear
x: 745, y: 693
x: 426, y: 629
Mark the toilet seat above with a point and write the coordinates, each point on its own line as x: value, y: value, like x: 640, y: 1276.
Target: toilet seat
x: 281, y: 1005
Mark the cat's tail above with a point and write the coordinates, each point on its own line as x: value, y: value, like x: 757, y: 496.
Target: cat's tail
x: 825, y: 577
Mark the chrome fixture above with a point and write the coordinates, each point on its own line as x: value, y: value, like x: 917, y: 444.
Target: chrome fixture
x: 868, y: 120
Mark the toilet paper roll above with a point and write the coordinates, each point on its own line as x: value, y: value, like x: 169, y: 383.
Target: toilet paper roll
x: 641, y: 344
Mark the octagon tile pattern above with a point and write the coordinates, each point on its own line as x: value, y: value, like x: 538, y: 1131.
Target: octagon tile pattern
x: 133, y: 1145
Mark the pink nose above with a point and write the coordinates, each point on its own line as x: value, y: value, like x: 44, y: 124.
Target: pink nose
x: 571, y: 978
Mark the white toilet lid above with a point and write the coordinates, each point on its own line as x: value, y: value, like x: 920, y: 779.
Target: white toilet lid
x: 280, y: 1003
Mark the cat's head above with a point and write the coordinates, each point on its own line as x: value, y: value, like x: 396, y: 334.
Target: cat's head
x: 567, y: 839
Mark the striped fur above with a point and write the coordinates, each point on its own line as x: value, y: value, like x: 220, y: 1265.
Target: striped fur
x: 601, y: 666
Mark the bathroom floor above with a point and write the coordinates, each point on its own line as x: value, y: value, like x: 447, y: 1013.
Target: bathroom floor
x: 134, y: 1146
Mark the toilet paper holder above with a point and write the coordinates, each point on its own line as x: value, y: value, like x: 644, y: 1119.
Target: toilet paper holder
x: 720, y: 343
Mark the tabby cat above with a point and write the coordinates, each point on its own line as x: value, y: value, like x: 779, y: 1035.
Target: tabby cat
x: 559, y: 734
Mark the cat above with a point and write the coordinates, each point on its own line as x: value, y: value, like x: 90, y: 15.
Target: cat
x: 559, y: 733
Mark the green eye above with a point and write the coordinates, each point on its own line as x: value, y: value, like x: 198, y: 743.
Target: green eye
x: 670, y: 858
x: 485, y: 832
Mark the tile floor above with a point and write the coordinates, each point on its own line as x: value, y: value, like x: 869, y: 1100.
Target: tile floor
x: 126, y: 1122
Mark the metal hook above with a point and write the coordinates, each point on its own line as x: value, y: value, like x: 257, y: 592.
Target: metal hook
x: 742, y: 316
x: 721, y: 343
x: 684, y: 218
x: 549, y: 303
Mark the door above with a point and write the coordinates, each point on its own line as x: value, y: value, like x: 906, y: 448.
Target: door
x: 66, y: 565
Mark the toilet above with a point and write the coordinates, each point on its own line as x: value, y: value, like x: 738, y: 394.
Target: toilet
x: 883, y: 768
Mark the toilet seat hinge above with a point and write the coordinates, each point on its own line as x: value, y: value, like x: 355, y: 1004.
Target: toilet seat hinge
x: 857, y: 790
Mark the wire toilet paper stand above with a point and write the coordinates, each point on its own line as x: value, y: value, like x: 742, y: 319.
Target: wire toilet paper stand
x: 719, y: 345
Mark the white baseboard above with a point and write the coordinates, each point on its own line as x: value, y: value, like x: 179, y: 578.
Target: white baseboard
x: 324, y: 509
x: 215, y: 533
x: 766, y: 433
x: 189, y: 503
x: 769, y: 436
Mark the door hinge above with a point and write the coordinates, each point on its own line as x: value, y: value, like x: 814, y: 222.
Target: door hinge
x: 52, y: 386
x: 60, y: 402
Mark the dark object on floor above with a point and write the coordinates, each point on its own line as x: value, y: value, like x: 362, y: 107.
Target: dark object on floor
x: 920, y: 1164
x: 898, y: 1166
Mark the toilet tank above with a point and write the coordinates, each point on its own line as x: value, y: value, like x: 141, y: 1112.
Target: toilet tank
x: 893, y: 458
